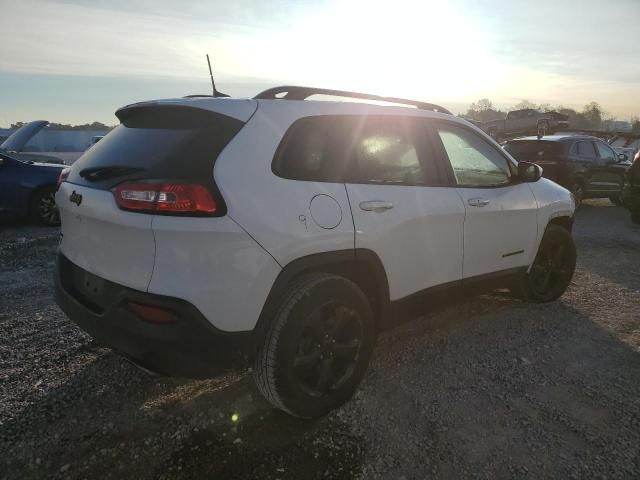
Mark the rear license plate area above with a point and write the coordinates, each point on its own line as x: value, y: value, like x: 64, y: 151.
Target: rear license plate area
x: 91, y: 288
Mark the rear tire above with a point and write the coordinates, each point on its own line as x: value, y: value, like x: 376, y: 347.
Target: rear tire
x: 553, y: 267
x: 318, y: 348
x: 43, y: 207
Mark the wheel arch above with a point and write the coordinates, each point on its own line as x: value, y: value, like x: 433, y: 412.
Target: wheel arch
x: 564, y: 221
x: 361, y: 266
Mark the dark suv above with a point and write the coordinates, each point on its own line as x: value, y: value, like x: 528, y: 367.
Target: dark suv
x: 631, y: 193
x: 587, y: 166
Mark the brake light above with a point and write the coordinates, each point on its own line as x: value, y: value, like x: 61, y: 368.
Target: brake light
x: 160, y: 197
x: 64, y: 173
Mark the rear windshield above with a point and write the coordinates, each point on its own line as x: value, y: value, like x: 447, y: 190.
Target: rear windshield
x: 535, y: 149
x: 157, y: 143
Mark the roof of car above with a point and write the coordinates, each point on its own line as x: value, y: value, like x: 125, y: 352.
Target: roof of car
x: 563, y: 137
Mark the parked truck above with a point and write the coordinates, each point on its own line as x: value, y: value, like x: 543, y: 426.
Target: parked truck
x: 525, y: 122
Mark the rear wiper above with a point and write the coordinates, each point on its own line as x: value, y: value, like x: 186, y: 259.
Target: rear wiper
x: 93, y: 174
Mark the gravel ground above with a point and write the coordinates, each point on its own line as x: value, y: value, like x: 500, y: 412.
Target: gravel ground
x: 488, y: 388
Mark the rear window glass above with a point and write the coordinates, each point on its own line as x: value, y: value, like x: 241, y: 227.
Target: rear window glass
x: 357, y: 149
x: 157, y: 142
x: 536, y: 149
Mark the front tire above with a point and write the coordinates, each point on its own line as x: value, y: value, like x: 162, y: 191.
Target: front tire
x: 578, y: 193
x: 318, y: 348
x: 553, y: 267
x: 43, y: 207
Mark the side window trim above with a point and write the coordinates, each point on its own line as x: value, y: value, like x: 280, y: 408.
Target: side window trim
x: 452, y: 182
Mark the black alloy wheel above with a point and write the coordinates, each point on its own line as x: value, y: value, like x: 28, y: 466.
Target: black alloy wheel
x: 553, y: 267
x: 328, y: 349
x: 318, y: 346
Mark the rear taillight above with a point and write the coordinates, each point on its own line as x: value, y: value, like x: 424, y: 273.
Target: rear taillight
x: 164, y: 197
x: 64, y: 173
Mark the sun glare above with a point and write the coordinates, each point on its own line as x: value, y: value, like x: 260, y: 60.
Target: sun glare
x: 415, y: 49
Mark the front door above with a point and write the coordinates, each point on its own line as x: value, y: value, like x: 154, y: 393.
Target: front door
x: 500, y: 228
x: 402, y: 209
x: 608, y: 176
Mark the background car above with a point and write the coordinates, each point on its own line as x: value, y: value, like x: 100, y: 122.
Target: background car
x: 631, y: 192
x: 526, y: 121
x: 585, y: 165
x: 27, y: 189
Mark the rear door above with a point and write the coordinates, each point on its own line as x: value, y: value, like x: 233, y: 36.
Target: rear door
x: 501, y: 226
x: 401, y: 207
x: 153, y: 142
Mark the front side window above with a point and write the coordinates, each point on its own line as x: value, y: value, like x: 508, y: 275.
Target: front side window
x: 474, y: 161
x: 585, y: 149
x: 605, y: 152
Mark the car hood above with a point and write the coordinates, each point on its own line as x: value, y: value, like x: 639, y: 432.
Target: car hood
x: 18, y: 139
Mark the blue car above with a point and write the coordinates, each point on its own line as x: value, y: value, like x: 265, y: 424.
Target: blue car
x: 27, y: 189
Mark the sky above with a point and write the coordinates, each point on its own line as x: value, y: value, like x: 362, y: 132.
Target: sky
x: 78, y: 61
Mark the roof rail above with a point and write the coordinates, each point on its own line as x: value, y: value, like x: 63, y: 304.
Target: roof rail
x: 302, y: 93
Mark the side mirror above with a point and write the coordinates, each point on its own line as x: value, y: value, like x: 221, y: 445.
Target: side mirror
x: 529, y: 172
x: 622, y: 157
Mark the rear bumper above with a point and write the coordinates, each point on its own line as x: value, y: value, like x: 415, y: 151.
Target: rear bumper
x: 190, y: 348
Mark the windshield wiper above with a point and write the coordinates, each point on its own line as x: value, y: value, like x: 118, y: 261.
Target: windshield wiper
x: 93, y: 174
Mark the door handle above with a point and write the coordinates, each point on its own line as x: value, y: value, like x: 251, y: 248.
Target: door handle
x: 376, y: 206
x: 478, y: 202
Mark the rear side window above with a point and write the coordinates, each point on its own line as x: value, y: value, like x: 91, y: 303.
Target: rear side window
x: 166, y: 142
x: 533, y: 150
x: 605, y: 152
x: 357, y: 149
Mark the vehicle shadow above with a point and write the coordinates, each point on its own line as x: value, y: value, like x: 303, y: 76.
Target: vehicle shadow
x: 112, y: 420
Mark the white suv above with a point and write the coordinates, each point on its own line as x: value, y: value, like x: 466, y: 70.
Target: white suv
x: 208, y: 233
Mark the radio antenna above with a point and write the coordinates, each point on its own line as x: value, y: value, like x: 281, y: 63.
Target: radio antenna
x: 216, y: 93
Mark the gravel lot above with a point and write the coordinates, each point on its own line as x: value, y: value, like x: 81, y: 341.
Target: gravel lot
x: 488, y: 388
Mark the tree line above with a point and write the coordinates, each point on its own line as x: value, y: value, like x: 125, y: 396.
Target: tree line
x: 591, y: 117
x: 65, y: 126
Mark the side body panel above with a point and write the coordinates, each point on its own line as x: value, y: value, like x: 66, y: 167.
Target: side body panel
x: 216, y: 266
